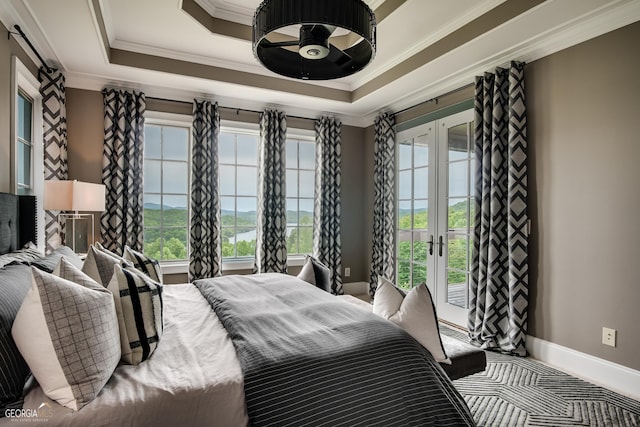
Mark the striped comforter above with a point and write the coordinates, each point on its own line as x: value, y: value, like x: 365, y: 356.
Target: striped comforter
x: 310, y: 359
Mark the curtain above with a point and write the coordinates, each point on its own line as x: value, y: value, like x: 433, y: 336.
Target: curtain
x: 121, y: 222
x: 54, y: 112
x: 499, y: 270
x: 383, y: 238
x: 205, y: 242
x: 327, y: 246
x: 271, y: 233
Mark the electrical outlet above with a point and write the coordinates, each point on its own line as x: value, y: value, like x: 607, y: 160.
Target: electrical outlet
x: 609, y: 336
x: 347, y: 272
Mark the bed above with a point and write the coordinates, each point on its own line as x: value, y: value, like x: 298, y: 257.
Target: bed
x: 268, y: 350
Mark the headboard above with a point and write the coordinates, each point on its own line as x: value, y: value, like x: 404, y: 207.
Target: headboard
x: 17, y: 221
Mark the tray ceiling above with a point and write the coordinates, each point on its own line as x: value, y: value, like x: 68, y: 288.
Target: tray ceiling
x: 181, y: 49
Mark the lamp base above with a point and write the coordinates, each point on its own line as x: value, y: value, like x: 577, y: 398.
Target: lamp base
x: 79, y: 231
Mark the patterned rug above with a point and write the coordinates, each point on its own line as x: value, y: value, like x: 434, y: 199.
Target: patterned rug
x: 515, y: 391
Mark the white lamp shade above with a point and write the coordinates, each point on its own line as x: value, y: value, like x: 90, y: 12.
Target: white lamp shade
x: 76, y: 196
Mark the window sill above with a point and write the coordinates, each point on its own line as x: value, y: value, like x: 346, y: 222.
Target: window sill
x: 182, y: 267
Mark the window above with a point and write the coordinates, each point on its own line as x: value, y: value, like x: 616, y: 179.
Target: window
x: 300, y: 194
x: 27, y: 148
x: 24, y: 137
x: 238, y: 157
x: 413, y: 202
x: 167, y: 146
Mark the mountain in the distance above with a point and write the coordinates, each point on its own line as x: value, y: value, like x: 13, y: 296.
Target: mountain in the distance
x: 157, y: 206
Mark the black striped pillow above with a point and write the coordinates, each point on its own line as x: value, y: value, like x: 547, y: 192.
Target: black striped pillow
x: 148, y: 266
x: 139, y: 307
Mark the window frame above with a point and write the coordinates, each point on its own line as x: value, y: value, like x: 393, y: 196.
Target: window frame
x: 304, y: 136
x: 245, y: 262
x: 23, y: 81
x: 158, y: 118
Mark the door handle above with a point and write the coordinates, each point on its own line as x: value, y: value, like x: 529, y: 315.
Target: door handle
x: 440, y: 245
x: 430, y: 242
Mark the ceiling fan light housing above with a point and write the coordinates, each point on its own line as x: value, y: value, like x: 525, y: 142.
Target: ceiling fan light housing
x: 311, y: 61
x: 314, y: 41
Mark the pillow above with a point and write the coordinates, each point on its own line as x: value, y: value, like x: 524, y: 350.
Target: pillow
x: 139, y: 308
x: 26, y: 255
x: 148, y: 266
x: 15, y: 282
x: 415, y: 313
x: 68, y: 334
x: 51, y: 261
x: 99, y: 265
x: 316, y: 273
x: 101, y: 248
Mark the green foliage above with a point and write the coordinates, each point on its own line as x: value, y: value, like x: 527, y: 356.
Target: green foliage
x: 412, y: 268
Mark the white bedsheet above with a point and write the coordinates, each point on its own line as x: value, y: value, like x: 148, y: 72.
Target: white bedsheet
x: 192, y: 379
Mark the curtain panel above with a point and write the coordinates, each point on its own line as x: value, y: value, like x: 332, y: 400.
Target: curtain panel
x: 121, y: 223
x: 327, y: 246
x: 384, y: 175
x: 271, y: 233
x: 54, y: 115
x: 205, y: 236
x: 499, y: 270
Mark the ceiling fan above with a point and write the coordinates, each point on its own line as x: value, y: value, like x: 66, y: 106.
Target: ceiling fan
x: 314, y: 55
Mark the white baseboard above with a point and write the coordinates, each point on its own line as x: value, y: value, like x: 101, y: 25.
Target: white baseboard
x: 602, y: 372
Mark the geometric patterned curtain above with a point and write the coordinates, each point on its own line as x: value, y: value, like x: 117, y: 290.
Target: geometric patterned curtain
x: 271, y: 232
x: 384, y: 187
x: 499, y: 271
x: 205, y: 240
x: 121, y: 222
x: 54, y: 135
x: 327, y: 246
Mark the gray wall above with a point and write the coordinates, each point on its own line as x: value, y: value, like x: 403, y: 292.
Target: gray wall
x: 584, y: 139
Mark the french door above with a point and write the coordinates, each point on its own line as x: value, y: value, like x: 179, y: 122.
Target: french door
x: 434, y: 211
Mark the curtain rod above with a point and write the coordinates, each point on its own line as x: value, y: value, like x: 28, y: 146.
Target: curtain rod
x: 237, y: 110
x: 33, y: 48
x: 435, y: 99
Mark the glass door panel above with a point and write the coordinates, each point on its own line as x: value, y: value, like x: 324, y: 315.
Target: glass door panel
x: 415, y: 192
x: 455, y: 199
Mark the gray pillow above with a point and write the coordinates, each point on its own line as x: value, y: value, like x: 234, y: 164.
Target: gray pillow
x: 15, y: 282
x: 67, y: 331
x: 51, y: 261
x: 99, y: 265
x: 316, y: 273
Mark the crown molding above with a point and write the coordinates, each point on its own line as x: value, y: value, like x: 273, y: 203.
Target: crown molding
x: 19, y: 12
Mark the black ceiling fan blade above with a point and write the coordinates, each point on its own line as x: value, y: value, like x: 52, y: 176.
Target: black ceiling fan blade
x: 337, y: 56
x: 267, y: 44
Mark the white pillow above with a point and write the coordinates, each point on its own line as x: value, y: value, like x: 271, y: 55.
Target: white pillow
x: 415, y: 313
x: 139, y: 307
x: 68, y: 334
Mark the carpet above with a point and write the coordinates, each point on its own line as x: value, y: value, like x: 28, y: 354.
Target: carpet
x: 516, y: 391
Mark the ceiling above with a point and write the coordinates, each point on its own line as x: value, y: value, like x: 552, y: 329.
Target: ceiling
x: 181, y: 49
